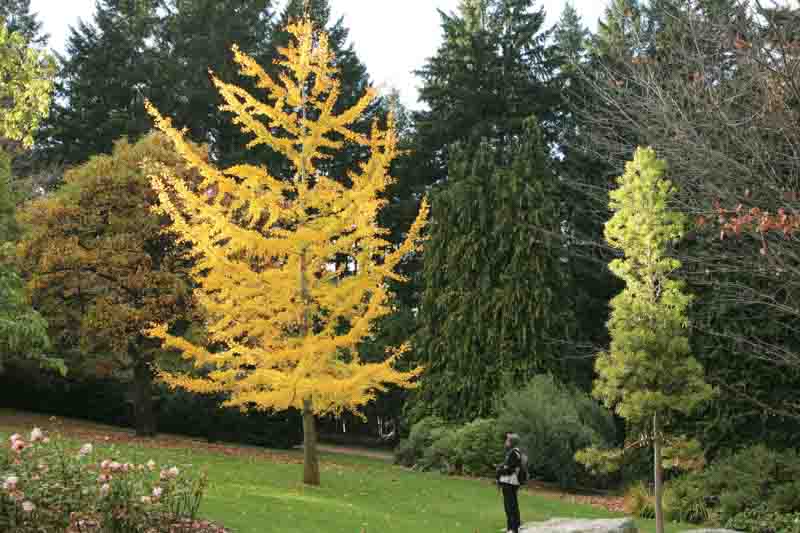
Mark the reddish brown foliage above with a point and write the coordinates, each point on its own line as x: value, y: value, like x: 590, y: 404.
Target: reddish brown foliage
x: 735, y: 222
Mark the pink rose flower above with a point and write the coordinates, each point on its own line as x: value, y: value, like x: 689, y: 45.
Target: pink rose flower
x: 85, y: 450
x: 10, y: 483
x: 37, y: 435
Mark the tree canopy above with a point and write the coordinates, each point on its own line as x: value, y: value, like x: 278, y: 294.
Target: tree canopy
x: 288, y: 312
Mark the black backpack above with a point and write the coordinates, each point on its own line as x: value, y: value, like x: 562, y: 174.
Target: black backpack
x: 522, y: 471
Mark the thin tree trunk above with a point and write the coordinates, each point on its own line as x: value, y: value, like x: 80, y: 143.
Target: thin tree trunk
x: 310, y: 456
x: 144, y: 415
x: 658, y: 475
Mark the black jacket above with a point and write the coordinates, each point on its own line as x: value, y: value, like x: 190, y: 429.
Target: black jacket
x: 511, y: 464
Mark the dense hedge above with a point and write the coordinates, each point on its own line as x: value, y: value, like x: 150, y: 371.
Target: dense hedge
x: 179, y: 412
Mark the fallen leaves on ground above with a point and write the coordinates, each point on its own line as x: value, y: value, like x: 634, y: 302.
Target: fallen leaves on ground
x: 82, y: 430
x: 182, y: 526
x: 614, y: 504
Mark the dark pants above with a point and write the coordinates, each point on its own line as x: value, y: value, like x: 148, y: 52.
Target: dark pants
x: 512, y: 506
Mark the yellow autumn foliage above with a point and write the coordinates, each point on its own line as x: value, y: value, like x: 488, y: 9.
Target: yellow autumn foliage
x: 293, y: 269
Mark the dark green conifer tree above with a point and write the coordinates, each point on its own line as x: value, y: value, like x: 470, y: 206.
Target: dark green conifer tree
x: 109, y: 68
x: 491, y: 73
x: 494, y: 309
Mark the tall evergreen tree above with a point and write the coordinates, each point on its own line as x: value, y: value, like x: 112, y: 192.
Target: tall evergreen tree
x: 583, y: 180
x: 490, y: 74
x: 19, y: 19
x: 196, y: 36
x: 493, y: 311
x: 109, y: 68
x: 570, y: 38
x: 161, y: 50
x: 619, y: 33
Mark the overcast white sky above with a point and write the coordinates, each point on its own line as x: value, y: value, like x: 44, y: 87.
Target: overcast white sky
x: 379, y: 29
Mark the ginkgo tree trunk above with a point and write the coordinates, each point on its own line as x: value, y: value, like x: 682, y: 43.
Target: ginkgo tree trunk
x: 280, y: 299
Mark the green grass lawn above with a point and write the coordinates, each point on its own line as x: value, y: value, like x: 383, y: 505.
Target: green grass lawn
x: 253, y: 494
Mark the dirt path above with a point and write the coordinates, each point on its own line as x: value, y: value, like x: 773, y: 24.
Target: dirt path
x: 358, y: 452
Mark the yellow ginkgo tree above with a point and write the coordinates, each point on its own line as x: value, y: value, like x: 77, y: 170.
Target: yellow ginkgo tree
x: 292, y: 269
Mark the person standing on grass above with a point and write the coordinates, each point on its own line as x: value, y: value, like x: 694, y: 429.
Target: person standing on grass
x: 508, y: 479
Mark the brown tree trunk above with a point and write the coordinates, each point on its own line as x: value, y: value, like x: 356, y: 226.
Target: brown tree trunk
x: 658, y: 475
x: 310, y: 455
x: 144, y: 414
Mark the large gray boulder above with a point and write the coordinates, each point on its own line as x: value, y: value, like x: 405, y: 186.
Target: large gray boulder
x: 576, y: 525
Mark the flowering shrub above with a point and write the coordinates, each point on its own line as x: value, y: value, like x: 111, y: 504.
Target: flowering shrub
x: 47, y: 486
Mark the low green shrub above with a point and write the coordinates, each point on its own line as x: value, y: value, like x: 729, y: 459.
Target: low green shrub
x: 554, y: 422
x: 422, y: 435
x: 753, y: 477
x: 473, y: 449
x: 404, y: 453
x: 751, y: 490
x: 685, y: 500
x: 639, y: 502
x: 442, y: 454
x: 761, y: 519
x: 479, y: 447
x: 45, y: 485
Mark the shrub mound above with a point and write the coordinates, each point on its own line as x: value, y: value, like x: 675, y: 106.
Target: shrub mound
x: 756, y: 489
x: 553, y: 422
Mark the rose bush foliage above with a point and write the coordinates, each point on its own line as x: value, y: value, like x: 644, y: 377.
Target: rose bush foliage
x: 48, y: 485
